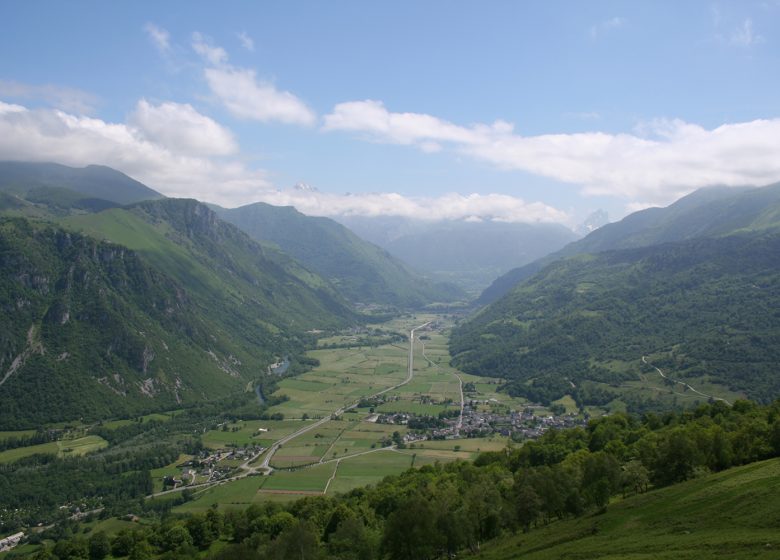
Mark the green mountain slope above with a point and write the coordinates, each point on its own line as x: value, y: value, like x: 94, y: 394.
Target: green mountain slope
x: 732, y: 514
x: 704, y: 309
x: 40, y: 180
x: 361, y: 271
x: 711, y: 212
x: 160, y: 303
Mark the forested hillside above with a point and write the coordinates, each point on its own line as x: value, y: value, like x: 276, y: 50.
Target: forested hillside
x: 360, y: 271
x: 705, y: 308
x: 710, y: 212
x: 160, y: 304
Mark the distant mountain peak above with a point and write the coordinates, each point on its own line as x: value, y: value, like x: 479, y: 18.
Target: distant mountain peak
x: 304, y: 187
x: 593, y: 222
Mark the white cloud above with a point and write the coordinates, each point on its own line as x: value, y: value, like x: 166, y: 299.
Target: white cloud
x: 181, y: 129
x: 399, y: 128
x: 450, y: 206
x: 215, y: 56
x: 160, y: 38
x: 249, y: 98
x: 606, y: 25
x: 244, y: 95
x: 663, y: 161
x: 53, y: 135
x: 62, y: 97
x: 744, y: 36
x: 246, y: 41
x: 6, y: 108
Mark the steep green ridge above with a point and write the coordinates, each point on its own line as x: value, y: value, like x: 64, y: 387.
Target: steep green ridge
x: 700, y: 308
x: 361, y: 271
x: 30, y: 180
x: 732, y: 514
x: 159, y: 304
x: 710, y: 212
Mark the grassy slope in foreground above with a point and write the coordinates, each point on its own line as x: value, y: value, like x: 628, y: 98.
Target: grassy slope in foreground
x: 732, y: 514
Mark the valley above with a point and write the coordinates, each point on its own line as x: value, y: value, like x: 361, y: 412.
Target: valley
x: 198, y: 373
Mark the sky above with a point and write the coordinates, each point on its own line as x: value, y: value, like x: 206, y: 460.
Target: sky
x: 515, y: 111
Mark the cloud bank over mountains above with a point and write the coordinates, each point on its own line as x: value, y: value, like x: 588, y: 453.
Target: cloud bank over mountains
x: 661, y: 161
x: 181, y: 151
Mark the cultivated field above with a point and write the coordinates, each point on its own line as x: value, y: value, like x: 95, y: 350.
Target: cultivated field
x: 349, y: 451
x: 63, y: 448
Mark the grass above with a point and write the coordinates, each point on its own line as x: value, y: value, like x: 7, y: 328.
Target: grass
x: 568, y: 403
x: 367, y: 469
x: 81, y: 446
x: 11, y: 455
x: 733, y: 514
x: 311, y: 479
x: 239, y: 493
x: 18, y: 434
x: 158, y: 416
x: 249, y: 433
x: 62, y: 448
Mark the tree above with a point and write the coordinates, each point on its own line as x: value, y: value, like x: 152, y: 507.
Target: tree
x: 527, y: 506
x: 99, y: 546
x: 635, y: 477
x: 410, y: 531
x: 297, y: 542
x: 352, y: 540
x: 122, y: 543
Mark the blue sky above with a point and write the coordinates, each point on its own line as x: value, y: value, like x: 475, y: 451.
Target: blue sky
x: 527, y: 111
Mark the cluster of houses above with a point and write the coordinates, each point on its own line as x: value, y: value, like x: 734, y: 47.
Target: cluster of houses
x: 207, y: 466
x: 525, y: 424
x: 11, y: 541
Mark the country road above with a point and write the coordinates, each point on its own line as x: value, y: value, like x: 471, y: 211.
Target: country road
x: 265, y: 465
x: 662, y: 374
x: 275, y: 447
x: 459, y: 423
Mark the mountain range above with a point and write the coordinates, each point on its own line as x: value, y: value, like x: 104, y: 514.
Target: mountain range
x: 706, y: 212
x: 694, y: 287
x: 361, y: 271
x: 469, y: 253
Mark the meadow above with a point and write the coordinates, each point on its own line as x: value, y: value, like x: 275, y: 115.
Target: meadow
x: 62, y: 448
x: 732, y: 514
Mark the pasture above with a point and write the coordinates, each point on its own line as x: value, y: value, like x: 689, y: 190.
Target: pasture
x: 62, y: 448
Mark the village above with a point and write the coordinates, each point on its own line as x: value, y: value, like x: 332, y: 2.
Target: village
x: 479, y: 420
x: 212, y: 466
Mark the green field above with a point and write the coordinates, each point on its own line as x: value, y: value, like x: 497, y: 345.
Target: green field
x: 158, y: 416
x: 63, y: 448
x: 18, y: 434
x: 250, y: 432
x: 733, y: 514
x: 343, y: 377
x: 238, y: 493
x: 368, y: 469
x: 311, y: 479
